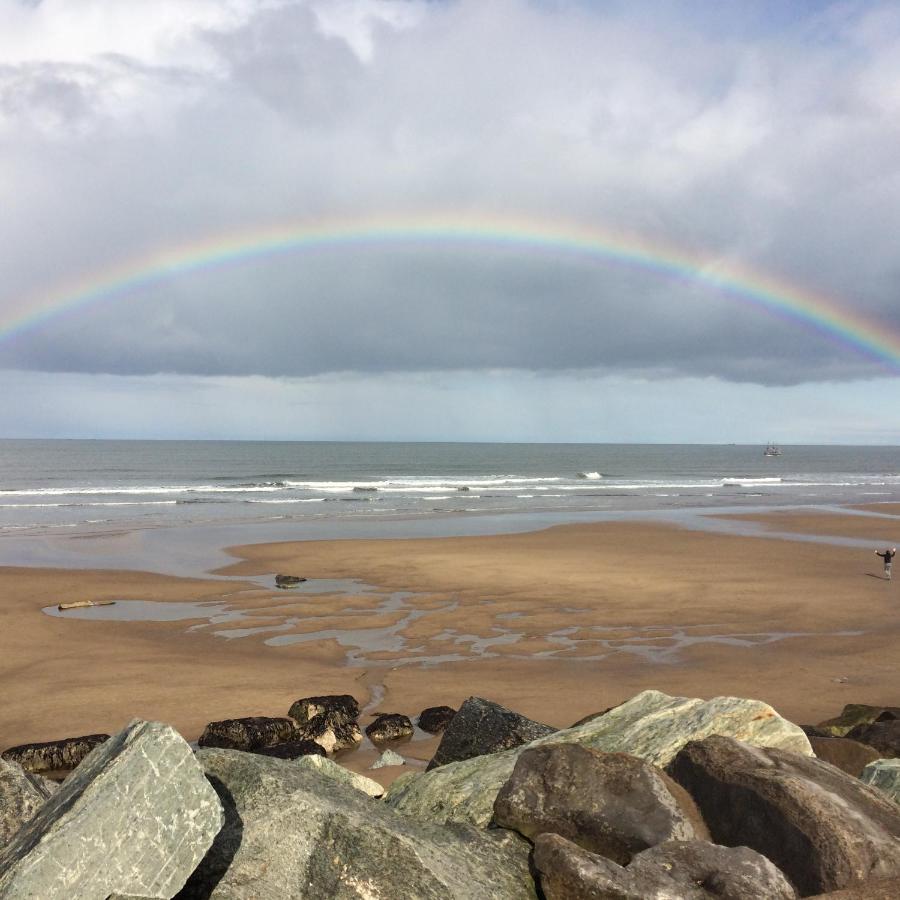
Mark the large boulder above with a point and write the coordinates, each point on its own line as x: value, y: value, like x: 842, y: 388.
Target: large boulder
x: 855, y: 714
x: 652, y: 726
x: 389, y: 727
x: 848, y: 755
x: 292, y: 832
x: 332, y: 770
x: 610, y: 803
x: 54, y: 756
x: 823, y: 828
x: 21, y: 796
x: 435, y: 719
x: 250, y: 733
x: 883, y: 735
x: 883, y: 774
x: 135, y: 818
x: 339, y: 706
x: 677, y: 870
x: 482, y: 727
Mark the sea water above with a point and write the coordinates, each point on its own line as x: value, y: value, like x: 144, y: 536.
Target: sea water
x: 52, y: 487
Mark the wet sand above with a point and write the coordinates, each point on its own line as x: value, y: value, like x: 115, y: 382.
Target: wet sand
x: 556, y: 624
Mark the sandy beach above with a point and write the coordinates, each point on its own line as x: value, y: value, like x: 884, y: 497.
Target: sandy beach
x: 555, y: 624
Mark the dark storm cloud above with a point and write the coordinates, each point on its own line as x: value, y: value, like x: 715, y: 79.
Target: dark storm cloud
x: 776, y: 152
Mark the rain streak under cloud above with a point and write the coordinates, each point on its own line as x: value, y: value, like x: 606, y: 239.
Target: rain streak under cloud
x: 762, y: 138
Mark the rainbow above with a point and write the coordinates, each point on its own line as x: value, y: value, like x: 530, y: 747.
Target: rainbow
x: 802, y: 307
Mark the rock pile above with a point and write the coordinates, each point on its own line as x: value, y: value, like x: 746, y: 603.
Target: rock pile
x: 660, y: 797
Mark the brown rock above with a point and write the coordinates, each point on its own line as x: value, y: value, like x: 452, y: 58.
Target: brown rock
x: 823, y: 828
x: 677, y: 870
x: 338, y: 706
x: 390, y: 727
x: 848, y: 755
x: 249, y: 733
x: 855, y: 714
x: 54, y: 756
x: 435, y: 719
x: 880, y: 889
x: 883, y: 735
x: 292, y: 750
x: 610, y: 803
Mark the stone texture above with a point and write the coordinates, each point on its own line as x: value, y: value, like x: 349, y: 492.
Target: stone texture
x: 883, y: 735
x: 338, y: 773
x: 295, y: 833
x: 610, y: 803
x: 390, y: 727
x: 388, y: 758
x: 877, y: 889
x: 340, y: 706
x: 135, y: 818
x: 855, y: 714
x: 677, y: 870
x: 435, y: 719
x: 333, y: 732
x: 823, y: 828
x: 482, y: 727
x: 292, y: 750
x: 652, y: 726
x: 848, y: 755
x: 288, y: 581
x: 250, y: 733
x: 884, y: 774
x: 54, y: 756
x: 21, y: 796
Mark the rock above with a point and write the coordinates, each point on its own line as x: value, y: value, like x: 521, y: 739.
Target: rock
x: 250, y: 733
x: 848, y: 755
x: 21, y: 796
x: 610, y: 803
x: 287, y: 581
x: 292, y: 832
x: 54, y: 756
x: 855, y: 714
x: 388, y: 758
x: 884, y: 774
x: 677, y: 870
x: 333, y: 732
x: 877, y: 889
x: 652, y: 726
x: 390, y: 727
x: 332, y: 770
x: 436, y: 718
x: 135, y: 818
x: 341, y: 706
x: 482, y: 727
x: 812, y: 731
x: 292, y: 750
x: 883, y: 735
x: 823, y: 828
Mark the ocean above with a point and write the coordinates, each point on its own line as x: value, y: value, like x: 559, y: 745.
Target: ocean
x: 49, y: 486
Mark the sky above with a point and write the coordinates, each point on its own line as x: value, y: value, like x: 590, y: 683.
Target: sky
x: 757, y: 137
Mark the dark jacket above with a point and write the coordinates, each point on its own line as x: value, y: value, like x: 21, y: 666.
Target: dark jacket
x: 887, y: 556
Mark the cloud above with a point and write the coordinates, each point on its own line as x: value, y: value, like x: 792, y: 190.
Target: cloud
x: 765, y: 139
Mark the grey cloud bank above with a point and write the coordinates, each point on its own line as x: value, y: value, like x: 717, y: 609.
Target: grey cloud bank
x: 763, y: 138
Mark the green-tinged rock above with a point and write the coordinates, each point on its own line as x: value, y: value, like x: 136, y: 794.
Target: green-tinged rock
x: 652, y: 726
x: 855, y: 714
x: 339, y: 773
x: 135, y: 818
x: 884, y: 774
x: 292, y: 832
x: 21, y: 796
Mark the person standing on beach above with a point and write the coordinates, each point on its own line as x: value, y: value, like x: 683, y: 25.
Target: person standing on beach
x: 887, y: 556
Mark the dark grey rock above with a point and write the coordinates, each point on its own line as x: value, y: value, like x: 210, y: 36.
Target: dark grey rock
x: 333, y: 732
x: 390, y: 727
x: 848, y: 755
x: 883, y: 735
x: 856, y: 714
x: 135, y: 818
x: 292, y: 750
x: 823, y: 828
x: 338, y: 706
x: 482, y: 727
x: 54, y: 756
x: 292, y: 832
x: 435, y: 719
x: 250, y: 733
x: 677, y: 870
x: 610, y: 803
x: 288, y: 581
x: 21, y: 796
